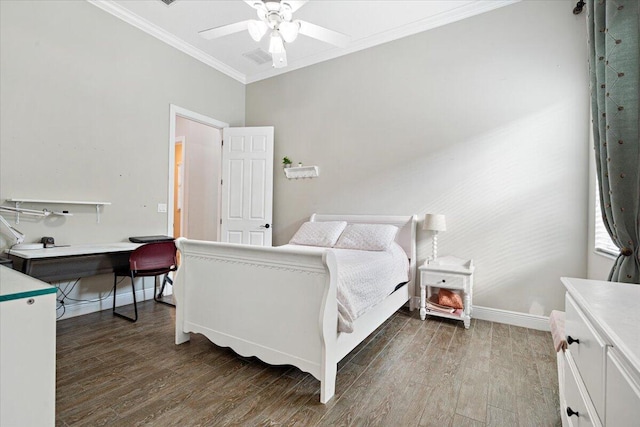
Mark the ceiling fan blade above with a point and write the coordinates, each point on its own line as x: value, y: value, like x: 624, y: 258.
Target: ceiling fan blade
x: 225, y: 30
x: 323, y: 34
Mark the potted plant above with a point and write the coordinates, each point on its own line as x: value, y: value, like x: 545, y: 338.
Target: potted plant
x: 286, y: 162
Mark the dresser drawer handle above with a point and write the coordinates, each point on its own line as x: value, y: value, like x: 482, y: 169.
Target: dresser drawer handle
x: 571, y: 341
x: 571, y: 412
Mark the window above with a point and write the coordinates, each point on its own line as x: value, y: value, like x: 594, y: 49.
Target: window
x: 603, y: 242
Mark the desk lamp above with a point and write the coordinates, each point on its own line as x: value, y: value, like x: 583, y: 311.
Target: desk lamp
x: 17, y: 234
x: 435, y: 223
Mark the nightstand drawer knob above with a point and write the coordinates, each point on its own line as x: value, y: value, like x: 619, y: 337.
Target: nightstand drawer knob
x: 570, y: 340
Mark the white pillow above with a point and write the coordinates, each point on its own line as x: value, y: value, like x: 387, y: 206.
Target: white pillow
x: 323, y: 233
x: 367, y: 237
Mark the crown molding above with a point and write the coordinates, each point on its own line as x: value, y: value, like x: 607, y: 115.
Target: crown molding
x: 466, y: 11
x: 157, y: 32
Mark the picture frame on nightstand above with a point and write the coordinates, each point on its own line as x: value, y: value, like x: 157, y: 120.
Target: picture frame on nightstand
x: 454, y: 274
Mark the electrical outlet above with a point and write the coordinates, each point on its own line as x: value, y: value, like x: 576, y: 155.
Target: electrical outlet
x: 162, y: 207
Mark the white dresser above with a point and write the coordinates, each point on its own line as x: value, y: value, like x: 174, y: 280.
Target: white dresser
x: 27, y: 350
x: 601, y: 372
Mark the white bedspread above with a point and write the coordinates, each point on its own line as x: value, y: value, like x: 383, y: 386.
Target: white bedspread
x: 364, y: 279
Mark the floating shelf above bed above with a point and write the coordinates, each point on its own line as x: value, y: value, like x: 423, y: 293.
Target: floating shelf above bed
x: 302, y: 172
x: 18, y: 202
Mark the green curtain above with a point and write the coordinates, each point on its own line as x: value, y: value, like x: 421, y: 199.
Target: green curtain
x: 614, y: 66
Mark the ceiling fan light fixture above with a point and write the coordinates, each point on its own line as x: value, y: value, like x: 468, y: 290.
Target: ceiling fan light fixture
x: 257, y: 30
x: 272, y: 5
x: 276, y: 48
x: 289, y: 31
x: 276, y: 17
x: 285, y: 12
x: 276, y: 44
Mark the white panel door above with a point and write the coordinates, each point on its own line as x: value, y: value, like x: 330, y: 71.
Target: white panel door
x: 247, y: 185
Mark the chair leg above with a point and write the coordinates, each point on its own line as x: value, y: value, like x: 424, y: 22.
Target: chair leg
x: 156, y: 297
x: 135, y: 304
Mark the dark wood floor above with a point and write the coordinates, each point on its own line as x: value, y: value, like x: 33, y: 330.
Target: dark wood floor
x: 408, y: 373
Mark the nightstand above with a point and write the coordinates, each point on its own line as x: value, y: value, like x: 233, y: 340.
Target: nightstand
x: 450, y: 273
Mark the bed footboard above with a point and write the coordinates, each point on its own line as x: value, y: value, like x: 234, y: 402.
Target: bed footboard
x: 279, y: 304
x: 267, y: 302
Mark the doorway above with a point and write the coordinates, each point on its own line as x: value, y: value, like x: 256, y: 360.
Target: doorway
x: 178, y: 188
x: 195, y: 148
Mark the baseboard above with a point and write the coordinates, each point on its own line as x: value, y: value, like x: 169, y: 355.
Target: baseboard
x: 525, y: 320
x: 124, y: 298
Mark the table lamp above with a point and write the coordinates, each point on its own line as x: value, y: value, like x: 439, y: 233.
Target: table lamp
x: 435, y: 223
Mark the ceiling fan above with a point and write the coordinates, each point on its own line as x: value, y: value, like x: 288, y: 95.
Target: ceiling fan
x: 277, y: 16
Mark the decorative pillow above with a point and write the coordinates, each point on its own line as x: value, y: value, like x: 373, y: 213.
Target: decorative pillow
x: 323, y: 233
x: 449, y: 298
x: 367, y: 237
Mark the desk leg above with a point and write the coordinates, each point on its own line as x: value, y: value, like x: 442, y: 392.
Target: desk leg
x: 423, y: 297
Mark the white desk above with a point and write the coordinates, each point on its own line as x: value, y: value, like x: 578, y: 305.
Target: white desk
x: 71, y: 262
x: 60, y: 251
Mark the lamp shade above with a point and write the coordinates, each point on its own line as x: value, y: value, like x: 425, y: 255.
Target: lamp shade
x: 434, y: 222
x: 289, y: 30
x: 257, y: 29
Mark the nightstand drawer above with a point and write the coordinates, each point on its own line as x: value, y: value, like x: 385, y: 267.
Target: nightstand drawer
x: 443, y: 280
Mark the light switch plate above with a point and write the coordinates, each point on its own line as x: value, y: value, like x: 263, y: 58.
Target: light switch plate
x: 162, y: 207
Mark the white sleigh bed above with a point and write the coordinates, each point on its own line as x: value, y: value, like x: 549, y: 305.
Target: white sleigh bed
x: 279, y: 303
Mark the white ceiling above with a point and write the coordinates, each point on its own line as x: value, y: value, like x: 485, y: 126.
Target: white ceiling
x: 366, y: 22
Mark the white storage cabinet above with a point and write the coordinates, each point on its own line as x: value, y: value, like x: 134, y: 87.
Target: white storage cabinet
x: 27, y: 350
x: 601, y: 367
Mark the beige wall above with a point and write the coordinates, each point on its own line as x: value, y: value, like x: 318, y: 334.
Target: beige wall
x: 84, y: 114
x: 484, y: 120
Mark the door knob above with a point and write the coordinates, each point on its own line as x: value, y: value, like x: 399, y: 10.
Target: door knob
x: 572, y: 340
x: 265, y: 226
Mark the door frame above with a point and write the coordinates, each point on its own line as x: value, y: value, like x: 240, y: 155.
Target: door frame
x: 182, y: 199
x: 176, y: 111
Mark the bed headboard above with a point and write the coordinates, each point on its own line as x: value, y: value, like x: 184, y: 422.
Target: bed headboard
x: 406, y: 236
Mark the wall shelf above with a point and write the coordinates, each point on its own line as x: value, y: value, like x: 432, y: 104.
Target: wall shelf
x: 302, y: 172
x: 18, y: 202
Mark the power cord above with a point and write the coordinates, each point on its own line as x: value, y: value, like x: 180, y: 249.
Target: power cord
x: 65, y: 296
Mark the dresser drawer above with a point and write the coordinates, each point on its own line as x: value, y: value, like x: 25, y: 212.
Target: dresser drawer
x: 588, y: 352
x: 623, y: 393
x: 443, y: 280
x: 577, y: 409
